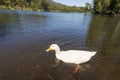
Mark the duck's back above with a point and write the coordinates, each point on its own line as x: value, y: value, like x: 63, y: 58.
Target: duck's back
x: 75, y: 56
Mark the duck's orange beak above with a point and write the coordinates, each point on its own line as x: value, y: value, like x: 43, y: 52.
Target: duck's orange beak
x: 49, y: 49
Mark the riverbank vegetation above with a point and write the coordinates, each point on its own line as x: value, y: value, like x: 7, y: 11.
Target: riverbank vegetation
x: 111, y: 7
x: 38, y: 5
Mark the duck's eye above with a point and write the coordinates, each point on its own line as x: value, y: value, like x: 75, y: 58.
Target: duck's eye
x: 52, y: 46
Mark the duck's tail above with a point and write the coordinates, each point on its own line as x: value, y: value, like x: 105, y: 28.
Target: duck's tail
x: 94, y: 52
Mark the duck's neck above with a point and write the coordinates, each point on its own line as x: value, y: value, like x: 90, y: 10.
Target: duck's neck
x: 57, y: 50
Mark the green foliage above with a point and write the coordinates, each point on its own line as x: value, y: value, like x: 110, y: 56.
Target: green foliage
x: 45, y: 5
x: 115, y: 6
x: 39, y: 5
x: 7, y: 2
x: 87, y: 7
x: 105, y: 6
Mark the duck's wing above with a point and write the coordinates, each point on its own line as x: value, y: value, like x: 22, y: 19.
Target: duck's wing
x: 75, y: 56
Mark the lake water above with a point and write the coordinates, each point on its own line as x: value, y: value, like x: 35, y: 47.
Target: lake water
x: 24, y: 37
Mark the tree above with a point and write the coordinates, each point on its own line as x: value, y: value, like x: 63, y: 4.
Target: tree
x: 87, y: 7
x: 115, y: 6
x: 1, y: 2
x: 45, y: 4
x: 105, y: 6
x: 97, y: 5
x: 6, y: 2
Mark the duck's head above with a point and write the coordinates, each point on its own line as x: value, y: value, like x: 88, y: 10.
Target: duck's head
x: 53, y: 47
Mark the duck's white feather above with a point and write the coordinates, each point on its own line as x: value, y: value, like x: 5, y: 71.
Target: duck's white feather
x: 75, y: 56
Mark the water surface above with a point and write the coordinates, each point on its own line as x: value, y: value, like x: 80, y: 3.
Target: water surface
x: 24, y: 37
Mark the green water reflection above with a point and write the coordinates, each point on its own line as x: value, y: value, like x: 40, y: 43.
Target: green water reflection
x: 104, y: 36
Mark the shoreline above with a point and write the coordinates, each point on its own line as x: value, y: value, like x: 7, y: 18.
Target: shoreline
x: 3, y: 7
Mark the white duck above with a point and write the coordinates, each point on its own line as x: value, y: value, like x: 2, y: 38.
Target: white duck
x: 72, y: 56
